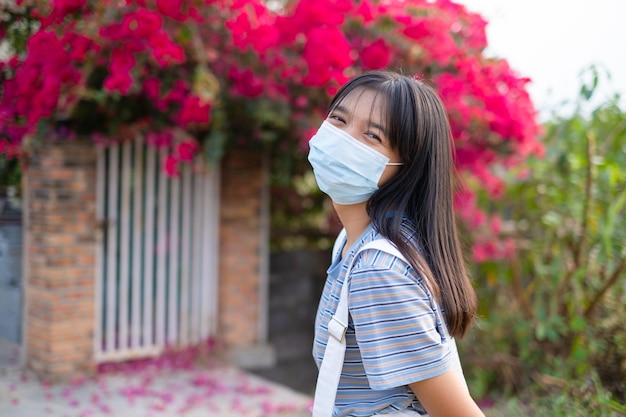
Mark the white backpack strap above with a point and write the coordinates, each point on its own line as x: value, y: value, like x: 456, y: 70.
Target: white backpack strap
x: 332, y: 363
x: 339, y: 243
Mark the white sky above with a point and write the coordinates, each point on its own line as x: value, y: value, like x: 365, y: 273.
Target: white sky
x: 552, y: 41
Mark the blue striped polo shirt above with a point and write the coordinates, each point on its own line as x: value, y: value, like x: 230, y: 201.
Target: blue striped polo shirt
x: 396, y: 333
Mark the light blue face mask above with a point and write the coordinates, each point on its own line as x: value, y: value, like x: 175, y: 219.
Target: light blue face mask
x: 344, y: 168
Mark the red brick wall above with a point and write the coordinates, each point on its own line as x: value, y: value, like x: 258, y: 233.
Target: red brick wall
x: 59, y: 221
x: 240, y: 240
x: 60, y: 247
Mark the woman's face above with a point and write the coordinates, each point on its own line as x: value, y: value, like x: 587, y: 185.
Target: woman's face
x: 360, y: 115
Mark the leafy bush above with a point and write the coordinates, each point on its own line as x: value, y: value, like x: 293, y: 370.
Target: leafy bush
x: 556, y: 307
x: 558, y: 398
x: 10, y: 174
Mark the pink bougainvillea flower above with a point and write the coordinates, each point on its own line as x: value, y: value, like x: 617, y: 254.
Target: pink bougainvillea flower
x: 178, y: 92
x: 433, y: 35
x: 35, y: 90
x: 483, y: 251
x: 120, y: 68
x: 265, y: 37
x: 187, y: 150
x: 245, y: 83
x: 79, y: 46
x: 315, y: 13
x: 61, y: 9
x: 152, y: 88
x: 240, y: 26
x: 171, y: 166
x: 263, y: 24
x: 253, y: 26
x: 165, y: 51
x: 375, y: 55
x: 194, y: 111
x: 330, y: 64
x: 141, y: 24
x: 171, y: 8
x: 159, y: 139
x: 474, y: 31
x: 301, y: 101
x: 366, y: 11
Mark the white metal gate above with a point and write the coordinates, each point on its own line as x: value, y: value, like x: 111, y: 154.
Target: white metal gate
x: 157, y: 263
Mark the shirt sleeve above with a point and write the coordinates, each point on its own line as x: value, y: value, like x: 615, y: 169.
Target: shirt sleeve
x: 399, y: 330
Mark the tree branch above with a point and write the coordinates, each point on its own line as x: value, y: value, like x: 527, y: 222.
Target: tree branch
x: 580, y: 243
x: 608, y: 284
x: 519, y: 288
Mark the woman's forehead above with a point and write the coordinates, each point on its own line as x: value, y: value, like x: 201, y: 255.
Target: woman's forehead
x: 362, y: 103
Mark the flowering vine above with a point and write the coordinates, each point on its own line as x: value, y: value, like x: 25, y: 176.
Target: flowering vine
x: 200, y: 75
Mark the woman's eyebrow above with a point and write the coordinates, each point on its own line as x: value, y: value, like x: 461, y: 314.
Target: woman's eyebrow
x: 340, y: 108
x: 343, y: 109
x: 378, y: 126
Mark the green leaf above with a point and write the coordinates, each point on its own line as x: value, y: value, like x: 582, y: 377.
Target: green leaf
x: 611, y: 219
x: 551, y: 218
x: 214, y: 146
x: 588, y: 88
x: 185, y: 34
x: 577, y: 323
x: 541, y: 331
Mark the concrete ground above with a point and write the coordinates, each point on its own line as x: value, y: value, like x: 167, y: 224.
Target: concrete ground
x: 210, y: 390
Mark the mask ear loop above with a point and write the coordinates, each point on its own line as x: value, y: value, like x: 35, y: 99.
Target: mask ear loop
x: 394, y: 163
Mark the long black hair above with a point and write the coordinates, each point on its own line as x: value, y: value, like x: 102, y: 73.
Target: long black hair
x: 417, y: 127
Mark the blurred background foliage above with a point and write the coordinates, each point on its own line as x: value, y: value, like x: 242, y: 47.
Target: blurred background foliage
x: 552, y: 320
x: 10, y: 176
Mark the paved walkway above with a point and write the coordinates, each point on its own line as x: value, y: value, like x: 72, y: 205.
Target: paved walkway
x: 217, y: 391
x: 174, y: 385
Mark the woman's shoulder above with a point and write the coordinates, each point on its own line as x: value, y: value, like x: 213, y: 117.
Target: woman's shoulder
x: 377, y: 260
x: 379, y: 257
x: 379, y: 275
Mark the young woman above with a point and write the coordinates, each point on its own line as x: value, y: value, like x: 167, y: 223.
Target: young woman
x: 384, y: 156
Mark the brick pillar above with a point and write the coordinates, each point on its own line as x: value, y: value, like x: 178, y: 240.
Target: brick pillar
x: 242, y: 304
x: 59, y: 214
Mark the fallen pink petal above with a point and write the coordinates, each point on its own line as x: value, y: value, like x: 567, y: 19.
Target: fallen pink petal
x: 157, y: 391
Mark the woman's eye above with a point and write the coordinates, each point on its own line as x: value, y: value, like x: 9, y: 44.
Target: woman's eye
x: 337, y: 118
x: 373, y: 136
